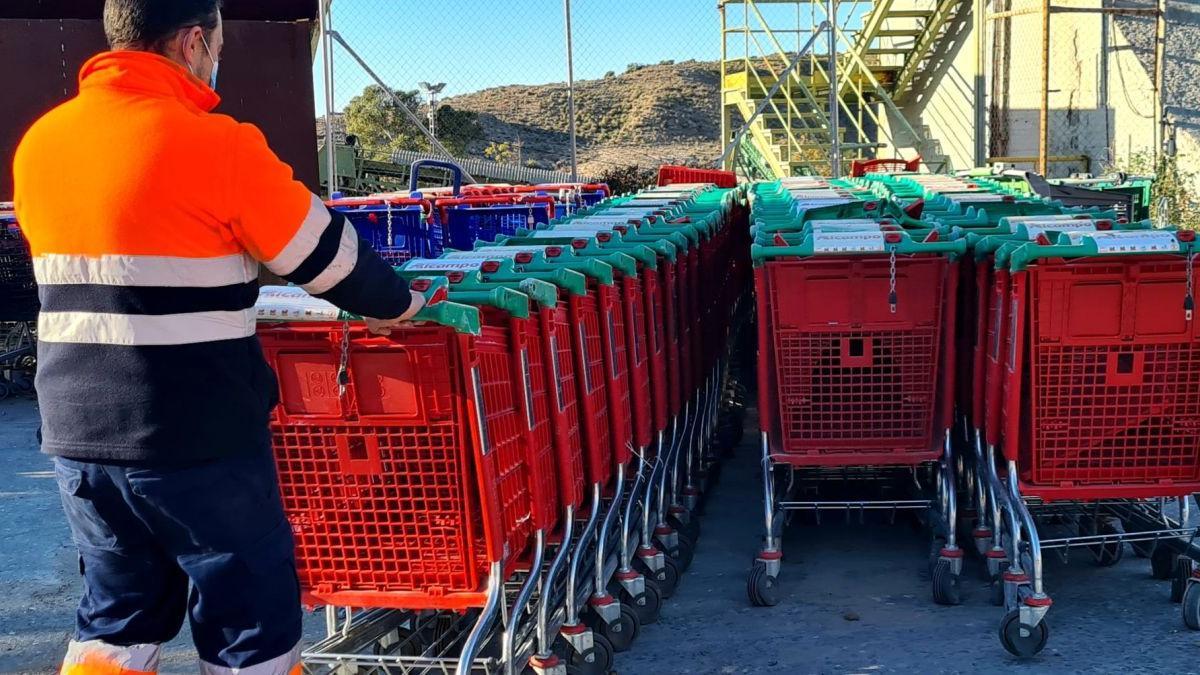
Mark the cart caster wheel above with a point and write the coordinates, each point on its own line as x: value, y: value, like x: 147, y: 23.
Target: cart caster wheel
x: 1191, y: 606
x: 1162, y: 563
x: 647, y: 604
x: 763, y: 588
x: 1143, y: 549
x: 596, y: 661
x: 996, y: 591
x: 691, y: 529
x: 683, y: 553
x: 1179, y: 578
x: 1023, y: 646
x: 622, y: 632
x: 935, y: 553
x: 1108, y: 553
x: 4, y: 391
x: 947, y: 587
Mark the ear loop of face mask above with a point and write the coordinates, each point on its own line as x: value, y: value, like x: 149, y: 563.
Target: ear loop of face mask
x: 212, y: 80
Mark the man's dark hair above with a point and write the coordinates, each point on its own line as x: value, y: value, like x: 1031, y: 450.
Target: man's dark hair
x: 149, y: 24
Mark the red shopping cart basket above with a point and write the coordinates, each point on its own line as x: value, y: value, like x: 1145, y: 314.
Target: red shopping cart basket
x: 407, y: 487
x: 1103, y: 367
x: 670, y: 174
x: 854, y: 375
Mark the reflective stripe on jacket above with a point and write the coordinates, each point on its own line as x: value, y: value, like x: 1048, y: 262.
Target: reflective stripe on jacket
x: 147, y: 216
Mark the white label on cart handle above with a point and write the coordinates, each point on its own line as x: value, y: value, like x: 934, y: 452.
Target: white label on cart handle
x: 847, y: 242
x: 292, y: 303
x: 1035, y: 228
x: 471, y: 264
x: 848, y: 225
x: 817, y: 203
x: 1128, y: 241
x: 567, y: 234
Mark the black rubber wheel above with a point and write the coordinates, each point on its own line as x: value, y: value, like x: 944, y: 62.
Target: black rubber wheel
x: 935, y: 553
x: 1143, y: 549
x: 1109, y: 553
x: 1162, y: 563
x: 691, y: 529
x: 647, y: 604
x: 595, y: 661
x: 1023, y: 646
x: 996, y: 591
x: 4, y: 390
x: 1191, y: 606
x: 21, y: 384
x: 761, y: 587
x: 1179, y: 577
x: 947, y: 588
x: 683, y: 552
x: 623, y: 631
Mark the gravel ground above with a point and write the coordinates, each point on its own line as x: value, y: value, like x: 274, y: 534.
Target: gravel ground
x: 855, y: 599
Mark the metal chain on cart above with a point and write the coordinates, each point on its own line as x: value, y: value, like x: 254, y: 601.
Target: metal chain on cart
x: 529, y: 221
x: 892, y: 299
x: 343, y: 374
x: 390, y: 241
x: 1189, y: 302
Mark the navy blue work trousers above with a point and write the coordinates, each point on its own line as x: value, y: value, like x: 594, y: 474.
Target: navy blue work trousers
x: 208, y: 540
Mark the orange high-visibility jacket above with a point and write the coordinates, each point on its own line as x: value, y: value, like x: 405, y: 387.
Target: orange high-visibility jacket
x: 147, y: 217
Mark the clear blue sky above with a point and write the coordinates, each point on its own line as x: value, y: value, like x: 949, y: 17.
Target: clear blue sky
x: 475, y: 44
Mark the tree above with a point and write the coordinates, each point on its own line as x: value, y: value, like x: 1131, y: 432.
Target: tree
x: 382, y: 127
x: 499, y: 152
x: 627, y: 178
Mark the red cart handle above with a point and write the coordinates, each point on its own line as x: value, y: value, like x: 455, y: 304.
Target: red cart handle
x: 425, y: 204
x: 861, y: 167
x: 444, y: 205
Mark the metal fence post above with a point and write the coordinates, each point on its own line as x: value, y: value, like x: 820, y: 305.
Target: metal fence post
x: 835, y: 144
x: 571, y: 93
x: 331, y: 180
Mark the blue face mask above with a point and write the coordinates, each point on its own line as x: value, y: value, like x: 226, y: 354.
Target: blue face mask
x: 212, y: 79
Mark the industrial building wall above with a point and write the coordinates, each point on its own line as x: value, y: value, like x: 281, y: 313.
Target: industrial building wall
x: 1101, y: 87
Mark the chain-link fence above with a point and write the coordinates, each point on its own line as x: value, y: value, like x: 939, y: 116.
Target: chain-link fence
x: 488, y: 80
x: 1096, y: 105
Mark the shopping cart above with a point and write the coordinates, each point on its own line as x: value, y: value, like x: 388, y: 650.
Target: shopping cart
x: 467, y: 219
x: 855, y: 378
x: 861, y: 167
x: 1096, y: 408
x: 672, y: 175
x: 19, y: 307
x: 398, y: 228
x: 402, y: 460
x: 604, y: 392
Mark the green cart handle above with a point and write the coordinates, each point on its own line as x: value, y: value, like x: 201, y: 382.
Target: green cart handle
x: 597, y: 269
x: 1104, y: 244
x: 897, y: 242
x: 468, y: 275
x: 599, y: 243
x: 504, y: 298
x: 505, y: 270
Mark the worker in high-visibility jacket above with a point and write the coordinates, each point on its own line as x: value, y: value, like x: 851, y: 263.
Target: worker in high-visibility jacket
x: 147, y: 216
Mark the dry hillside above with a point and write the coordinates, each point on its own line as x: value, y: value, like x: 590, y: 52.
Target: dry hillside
x: 651, y: 114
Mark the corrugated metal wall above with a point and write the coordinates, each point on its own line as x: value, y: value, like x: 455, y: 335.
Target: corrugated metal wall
x: 266, y: 70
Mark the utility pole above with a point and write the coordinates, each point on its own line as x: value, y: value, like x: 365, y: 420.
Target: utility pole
x: 835, y: 145
x: 431, y: 92
x: 1160, y: 51
x: 327, y: 63
x: 1044, y: 113
x: 571, y: 93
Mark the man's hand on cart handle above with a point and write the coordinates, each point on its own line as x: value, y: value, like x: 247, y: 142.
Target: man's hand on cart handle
x: 425, y: 292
